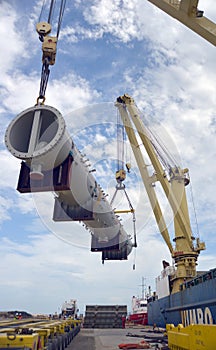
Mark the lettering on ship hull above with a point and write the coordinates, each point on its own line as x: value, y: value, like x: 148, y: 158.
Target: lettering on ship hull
x: 196, y: 316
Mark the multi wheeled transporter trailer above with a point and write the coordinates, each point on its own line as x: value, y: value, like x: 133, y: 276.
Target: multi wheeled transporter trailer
x: 36, y: 334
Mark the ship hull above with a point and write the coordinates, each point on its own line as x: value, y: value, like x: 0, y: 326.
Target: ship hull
x: 139, y: 318
x: 195, y: 303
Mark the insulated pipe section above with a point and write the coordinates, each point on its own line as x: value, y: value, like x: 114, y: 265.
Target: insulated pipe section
x: 39, y: 137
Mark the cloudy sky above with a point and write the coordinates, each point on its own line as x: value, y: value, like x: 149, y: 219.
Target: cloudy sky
x: 106, y: 48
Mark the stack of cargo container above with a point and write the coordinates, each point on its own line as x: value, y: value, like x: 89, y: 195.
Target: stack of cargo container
x: 105, y: 316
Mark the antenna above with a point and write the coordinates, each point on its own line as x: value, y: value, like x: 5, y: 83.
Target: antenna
x: 143, y: 285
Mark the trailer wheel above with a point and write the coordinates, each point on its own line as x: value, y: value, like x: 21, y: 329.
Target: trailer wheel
x: 54, y: 344
x: 60, y: 343
x: 49, y: 346
x: 65, y: 340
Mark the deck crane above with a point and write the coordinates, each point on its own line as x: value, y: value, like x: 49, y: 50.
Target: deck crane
x: 49, y: 45
x: 173, y: 182
x: 187, y: 12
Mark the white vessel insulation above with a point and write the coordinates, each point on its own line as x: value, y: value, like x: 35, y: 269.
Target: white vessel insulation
x: 39, y: 137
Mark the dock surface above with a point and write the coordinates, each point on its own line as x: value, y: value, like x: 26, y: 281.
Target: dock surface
x: 109, y: 339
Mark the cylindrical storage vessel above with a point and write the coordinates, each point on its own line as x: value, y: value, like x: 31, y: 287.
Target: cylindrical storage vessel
x: 85, y: 193
x: 38, y: 135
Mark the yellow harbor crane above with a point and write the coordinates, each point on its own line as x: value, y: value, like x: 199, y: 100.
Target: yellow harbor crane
x: 173, y: 181
x: 187, y: 12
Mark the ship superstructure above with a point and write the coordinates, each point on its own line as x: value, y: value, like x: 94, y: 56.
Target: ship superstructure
x: 69, y: 308
x: 139, y: 314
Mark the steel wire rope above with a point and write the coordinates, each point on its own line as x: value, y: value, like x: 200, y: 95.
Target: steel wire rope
x: 156, y: 140
x: 120, y: 143
x: 123, y: 144
x: 194, y: 209
x: 169, y: 166
x: 134, y: 260
x: 45, y: 71
x: 61, y: 14
x: 117, y: 136
x: 121, y: 139
x: 42, y: 9
x: 164, y: 148
x: 159, y: 146
x: 153, y: 141
x: 52, y: 6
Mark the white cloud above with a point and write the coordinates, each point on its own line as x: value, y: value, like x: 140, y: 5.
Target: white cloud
x: 9, y: 167
x: 10, y: 199
x: 70, y: 93
x: 48, y: 267
x: 126, y: 21
x: 13, y: 44
x: 4, y: 208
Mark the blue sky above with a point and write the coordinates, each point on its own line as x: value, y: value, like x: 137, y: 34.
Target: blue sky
x: 105, y: 49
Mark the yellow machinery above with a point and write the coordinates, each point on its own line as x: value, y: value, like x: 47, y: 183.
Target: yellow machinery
x: 173, y: 180
x: 187, y: 12
x: 19, y: 341
x: 193, y: 337
x: 38, y: 334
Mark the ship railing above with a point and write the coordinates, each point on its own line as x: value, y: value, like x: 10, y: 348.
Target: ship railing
x: 211, y: 274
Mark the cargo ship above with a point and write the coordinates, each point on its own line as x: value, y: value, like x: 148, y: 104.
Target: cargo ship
x: 195, y: 303
x: 139, y: 311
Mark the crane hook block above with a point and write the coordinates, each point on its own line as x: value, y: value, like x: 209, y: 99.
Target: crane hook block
x: 49, y: 49
x: 120, y: 175
x: 43, y: 28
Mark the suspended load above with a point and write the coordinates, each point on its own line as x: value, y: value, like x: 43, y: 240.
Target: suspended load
x: 51, y: 162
